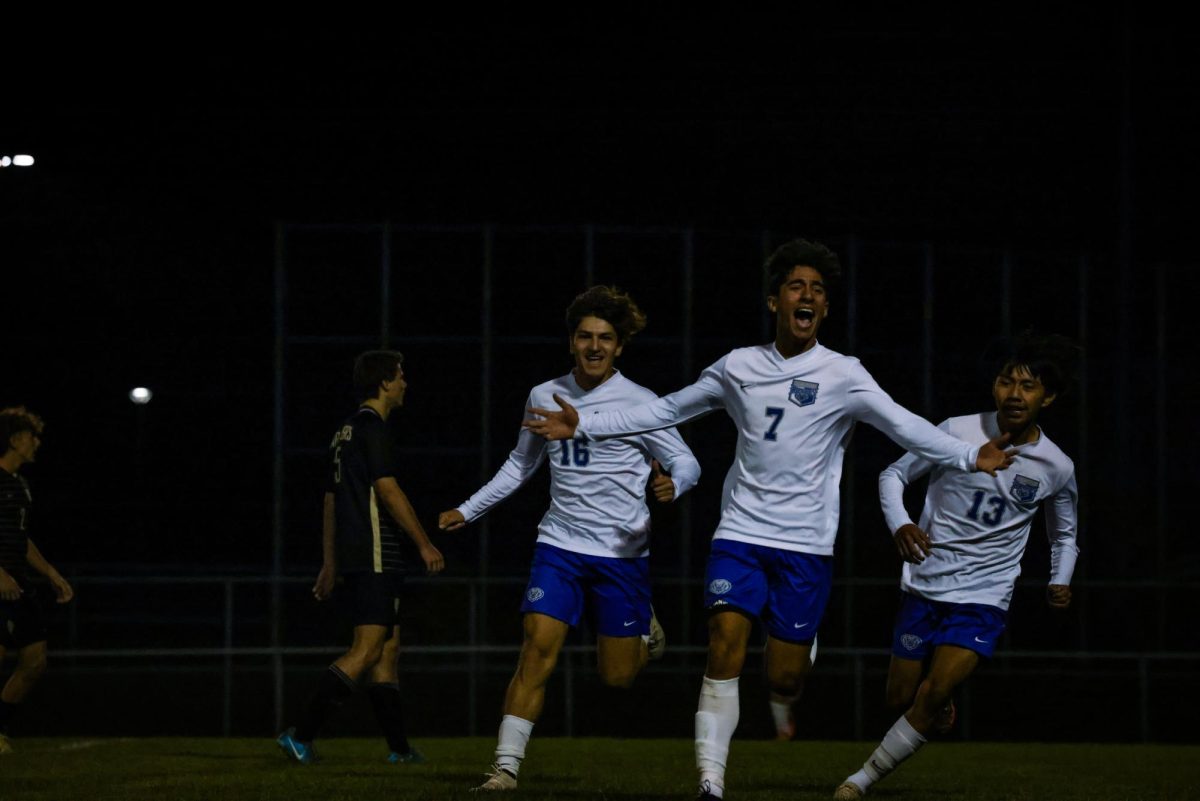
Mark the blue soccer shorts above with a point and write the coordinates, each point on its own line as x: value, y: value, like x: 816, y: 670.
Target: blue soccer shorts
x: 616, y: 589
x: 922, y: 625
x: 788, y: 590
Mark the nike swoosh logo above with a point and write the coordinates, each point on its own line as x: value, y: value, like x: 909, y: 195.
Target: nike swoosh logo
x: 981, y: 641
x: 744, y: 386
x: 799, y: 625
x: 629, y: 623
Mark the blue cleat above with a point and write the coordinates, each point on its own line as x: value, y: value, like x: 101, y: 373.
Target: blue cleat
x: 410, y: 757
x: 294, y: 749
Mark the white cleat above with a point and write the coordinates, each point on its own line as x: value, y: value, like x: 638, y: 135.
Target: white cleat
x: 847, y: 791
x: 498, y: 779
x: 656, y: 645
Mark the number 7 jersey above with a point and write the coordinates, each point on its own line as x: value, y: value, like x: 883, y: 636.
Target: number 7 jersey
x: 979, y: 524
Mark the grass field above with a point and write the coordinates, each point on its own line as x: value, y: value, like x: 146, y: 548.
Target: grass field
x: 213, y: 769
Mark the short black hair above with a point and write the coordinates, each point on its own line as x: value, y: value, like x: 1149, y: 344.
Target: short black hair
x: 609, y: 304
x: 799, y: 253
x: 13, y: 421
x: 1050, y: 358
x: 371, y: 369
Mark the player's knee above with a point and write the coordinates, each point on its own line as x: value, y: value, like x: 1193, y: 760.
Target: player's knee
x: 932, y: 694
x: 788, y: 683
x: 621, y: 677
x: 538, y: 658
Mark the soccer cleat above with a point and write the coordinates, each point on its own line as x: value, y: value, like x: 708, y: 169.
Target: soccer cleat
x: 706, y: 793
x: 656, y: 645
x: 498, y: 779
x: 847, y: 791
x: 5, y: 744
x: 944, y: 721
x: 294, y: 749
x: 410, y: 757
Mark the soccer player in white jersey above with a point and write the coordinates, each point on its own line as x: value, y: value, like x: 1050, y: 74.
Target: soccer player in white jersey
x: 963, y: 559
x: 593, y: 542
x: 795, y: 403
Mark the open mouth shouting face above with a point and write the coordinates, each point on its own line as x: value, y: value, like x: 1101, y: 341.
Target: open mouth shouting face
x: 595, y: 346
x: 799, y: 308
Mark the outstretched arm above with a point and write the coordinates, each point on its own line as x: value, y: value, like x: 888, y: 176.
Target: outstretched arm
x: 704, y: 396
x: 869, y: 403
x: 523, y: 461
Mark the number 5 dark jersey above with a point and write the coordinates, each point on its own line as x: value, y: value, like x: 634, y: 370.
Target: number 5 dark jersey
x: 15, y: 502
x: 367, y: 538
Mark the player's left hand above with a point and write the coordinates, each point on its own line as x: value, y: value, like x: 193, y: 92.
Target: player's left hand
x: 661, y: 484
x: 553, y: 425
x: 62, y: 589
x: 432, y: 557
x: 1058, y: 596
x: 993, y: 457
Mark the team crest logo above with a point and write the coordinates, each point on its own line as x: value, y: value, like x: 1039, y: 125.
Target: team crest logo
x: 1024, y: 489
x: 910, y: 641
x: 719, y: 587
x: 803, y: 393
x: 535, y: 594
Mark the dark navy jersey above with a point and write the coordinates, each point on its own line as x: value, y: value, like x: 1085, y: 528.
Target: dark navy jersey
x: 368, y: 539
x: 15, y: 504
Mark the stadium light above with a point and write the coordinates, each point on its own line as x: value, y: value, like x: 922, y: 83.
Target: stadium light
x: 5, y: 161
x: 23, y: 160
x: 141, y: 395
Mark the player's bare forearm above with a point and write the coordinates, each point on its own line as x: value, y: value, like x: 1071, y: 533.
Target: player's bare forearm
x: 329, y: 531
x: 38, y: 562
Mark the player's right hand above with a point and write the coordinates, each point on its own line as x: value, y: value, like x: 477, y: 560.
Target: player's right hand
x: 993, y: 457
x: 325, y: 581
x: 10, y: 590
x: 912, y: 543
x: 554, y: 425
x: 451, y: 520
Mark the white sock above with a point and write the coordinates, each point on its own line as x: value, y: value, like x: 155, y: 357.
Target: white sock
x: 901, y: 742
x: 781, y: 713
x: 716, y: 719
x: 510, y: 747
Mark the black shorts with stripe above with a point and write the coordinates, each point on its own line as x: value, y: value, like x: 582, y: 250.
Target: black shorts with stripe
x: 373, y: 599
x: 22, y: 622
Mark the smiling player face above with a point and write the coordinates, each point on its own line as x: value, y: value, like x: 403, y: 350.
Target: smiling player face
x: 800, y: 307
x: 595, y: 346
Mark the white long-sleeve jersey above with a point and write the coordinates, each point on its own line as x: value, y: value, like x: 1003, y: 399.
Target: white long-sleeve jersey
x: 979, y: 524
x: 597, y: 489
x: 794, y: 419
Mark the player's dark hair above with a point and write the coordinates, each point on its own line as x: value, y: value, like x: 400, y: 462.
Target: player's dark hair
x: 371, y: 369
x: 609, y: 304
x: 13, y: 421
x: 1050, y: 358
x: 800, y: 253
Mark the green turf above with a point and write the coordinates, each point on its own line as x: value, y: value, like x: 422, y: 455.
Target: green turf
x: 354, y: 770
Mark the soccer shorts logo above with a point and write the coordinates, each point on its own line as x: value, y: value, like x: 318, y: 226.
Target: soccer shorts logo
x: 1024, y: 489
x: 719, y: 587
x: 803, y: 393
x: 910, y: 641
x: 535, y: 594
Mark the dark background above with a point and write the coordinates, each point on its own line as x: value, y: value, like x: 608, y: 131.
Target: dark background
x: 140, y: 248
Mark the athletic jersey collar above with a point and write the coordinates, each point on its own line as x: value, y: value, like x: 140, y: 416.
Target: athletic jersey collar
x: 579, y: 392
x: 366, y: 408
x: 778, y: 359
